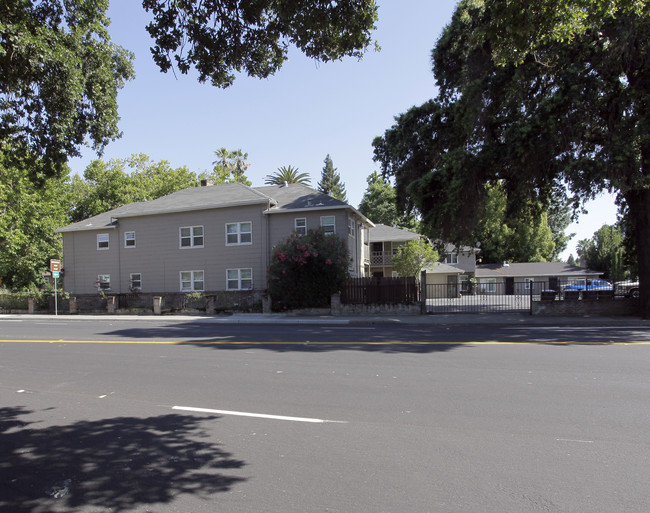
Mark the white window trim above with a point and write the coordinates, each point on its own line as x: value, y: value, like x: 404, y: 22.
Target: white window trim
x: 451, y: 259
x: 192, y: 280
x: 192, y: 236
x: 239, y: 233
x: 296, y: 227
x: 108, y: 239
x: 100, y: 280
x: 239, y: 278
x: 333, y: 225
x: 126, y: 246
x: 488, y: 285
x: 352, y: 228
x: 131, y: 287
x: 528, y: 283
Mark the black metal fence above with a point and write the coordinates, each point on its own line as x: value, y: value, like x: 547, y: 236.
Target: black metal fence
x: 380, y: 291
x: 517, y: 295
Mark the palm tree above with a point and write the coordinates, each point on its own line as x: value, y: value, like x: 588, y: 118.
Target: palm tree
x: 287, y: 174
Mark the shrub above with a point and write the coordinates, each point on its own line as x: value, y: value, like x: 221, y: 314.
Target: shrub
x: 306, y: 270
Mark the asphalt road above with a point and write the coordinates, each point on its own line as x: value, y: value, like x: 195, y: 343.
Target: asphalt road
x: 160, y: 416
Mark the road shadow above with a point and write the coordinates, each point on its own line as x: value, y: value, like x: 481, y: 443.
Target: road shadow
x: 403, y: 339
x: 113, y: 464
x: 294, y: 338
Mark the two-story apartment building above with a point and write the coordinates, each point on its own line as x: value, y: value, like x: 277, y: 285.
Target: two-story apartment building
x: 210, y: 238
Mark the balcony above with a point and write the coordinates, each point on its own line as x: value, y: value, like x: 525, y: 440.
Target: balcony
x: 381, y: 257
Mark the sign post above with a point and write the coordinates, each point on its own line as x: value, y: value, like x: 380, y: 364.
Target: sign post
x: 55, y: 267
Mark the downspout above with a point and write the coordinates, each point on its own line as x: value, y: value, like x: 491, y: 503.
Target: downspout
x: 119, y: 255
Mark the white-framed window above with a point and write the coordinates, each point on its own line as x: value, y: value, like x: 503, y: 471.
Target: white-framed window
x: 529, y: 283
x: 300, y: 226
x: 329, y: 224
x: 192, y: 281
x: 239, y: 279
x: 190, y: 236
x: 239, y: 233
x: 488, y: 285
x: 351, y: 227
x: 135, y: 281
x: 451, y: 258
x: 104, y: 281
x: 102, y: 241
x: 129, y: 239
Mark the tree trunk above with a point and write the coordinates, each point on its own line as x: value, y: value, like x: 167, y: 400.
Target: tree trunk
x: 638, y: 202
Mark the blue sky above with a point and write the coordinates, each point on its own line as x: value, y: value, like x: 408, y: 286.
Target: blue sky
x: 305, y: 112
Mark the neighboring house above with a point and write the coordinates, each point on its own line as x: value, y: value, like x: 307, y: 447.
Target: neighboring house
x: 383, y: 244
x: 458, y: 266
x: 210, y: 238
x: 510, y: 278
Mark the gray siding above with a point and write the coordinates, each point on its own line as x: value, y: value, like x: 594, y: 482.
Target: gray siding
x: 158, y: 257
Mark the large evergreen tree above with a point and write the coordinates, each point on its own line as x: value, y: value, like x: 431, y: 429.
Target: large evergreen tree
x: 379, y: 204
x: 570, y: 112
x: 330, y: 181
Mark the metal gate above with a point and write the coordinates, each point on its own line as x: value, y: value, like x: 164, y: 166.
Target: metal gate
x: 485, y: 297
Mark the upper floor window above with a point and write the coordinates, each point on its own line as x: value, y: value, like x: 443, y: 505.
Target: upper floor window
x: 239, y: 279
x: 300, y: 226
x: 239, y: 233
x: 328, y: 223
x: 191, y: 236
x: 192, y: 281
x: 129, y: 239
x: 451, y: 258
x: 102, y: 241
x: 351, y: 227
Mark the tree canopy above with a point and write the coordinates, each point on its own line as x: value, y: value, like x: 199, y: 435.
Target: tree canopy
x: 379, y: 203
x: 604, y: 252
x: 572, y: 112
x: 330, y: 181
x: 59, y: 78
x: 413, y: 257
x: 219, y: 38
x: 230, y: 166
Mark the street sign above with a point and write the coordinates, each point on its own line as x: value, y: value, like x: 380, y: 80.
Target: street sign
x: 55, y: 274
x: 55, y: 265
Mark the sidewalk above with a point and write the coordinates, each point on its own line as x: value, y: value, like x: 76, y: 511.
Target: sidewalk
x: 507, y: 319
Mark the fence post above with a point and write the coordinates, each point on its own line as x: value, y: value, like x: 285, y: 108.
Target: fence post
x: 532, y: 286
x: 423, y: 292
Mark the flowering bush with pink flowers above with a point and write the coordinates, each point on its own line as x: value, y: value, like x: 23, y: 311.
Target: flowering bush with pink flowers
x: 306, y: 270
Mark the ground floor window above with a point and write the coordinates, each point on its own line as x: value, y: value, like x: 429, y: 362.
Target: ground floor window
x: 104, y: 281
x: 192, y: 281
x: 488, y: 286
x: 239, y: 279
x: 135, y: 282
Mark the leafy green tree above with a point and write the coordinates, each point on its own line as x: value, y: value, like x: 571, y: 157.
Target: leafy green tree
x: 219, y: 37
x: 559, y: 217
x: 571, y: 112
x: 29, y: 214
x: 571, y: 260
x: 229, y: 167
x: 60, y: 72
x: 287, y: 174
x: 413, y: 257
x: 330, y: 181
x: 604, y: 252
x: 108, y: 185
x: 59, y: 78
x: 379, y: 204
x: 306, y: 270
x: 524, y: 238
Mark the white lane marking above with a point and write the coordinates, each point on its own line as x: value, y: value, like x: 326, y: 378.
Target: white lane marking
x: 258, y: 415
x: 577, y: 441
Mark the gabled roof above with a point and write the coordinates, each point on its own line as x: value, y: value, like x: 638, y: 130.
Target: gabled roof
x: 385, y: 233
x: 296, y: 197
x: 532, y: 269
x: 273, y: 199
x: 186, y: 200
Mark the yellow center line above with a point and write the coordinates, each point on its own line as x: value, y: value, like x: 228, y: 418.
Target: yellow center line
x: 337, y: 343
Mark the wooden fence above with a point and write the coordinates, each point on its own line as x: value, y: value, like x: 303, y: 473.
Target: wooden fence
x: 380, y: 291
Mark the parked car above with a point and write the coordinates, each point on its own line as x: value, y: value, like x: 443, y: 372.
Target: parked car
x: 627, y: 288
x: 590, y: 285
